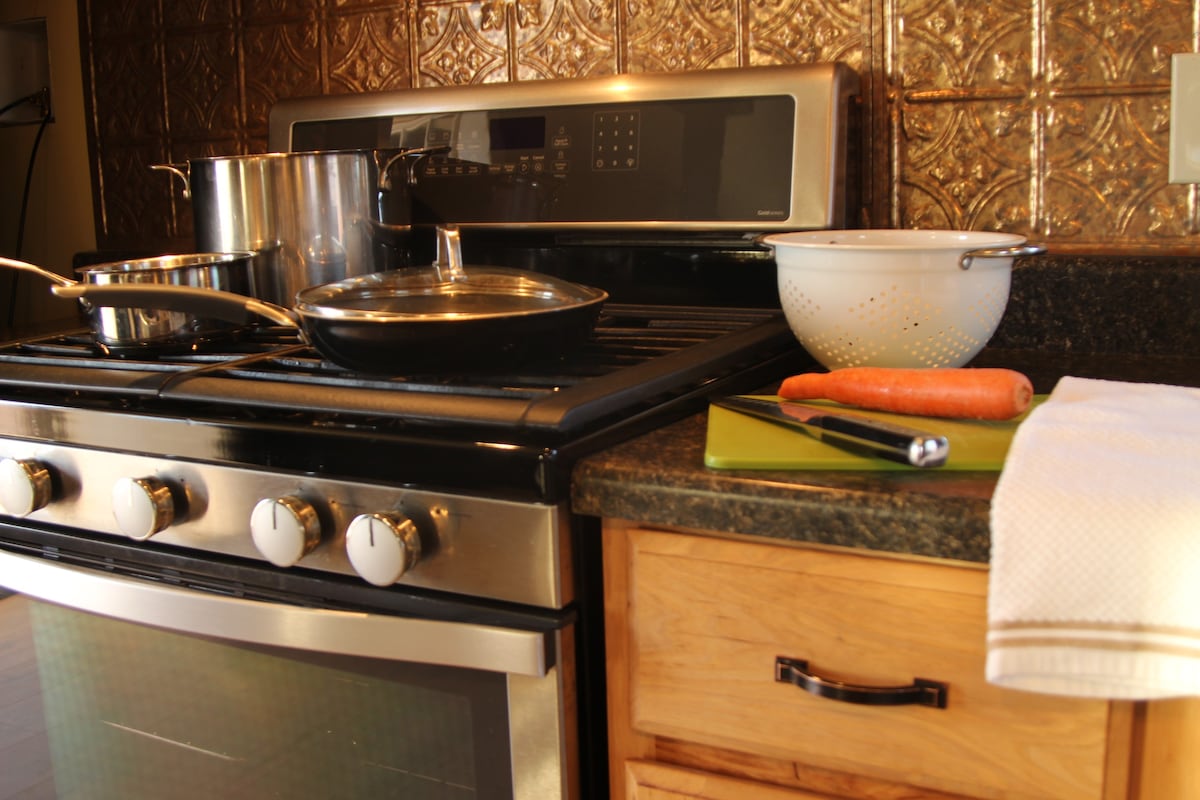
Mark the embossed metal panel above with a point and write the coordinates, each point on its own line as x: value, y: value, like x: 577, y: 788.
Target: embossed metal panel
x: 1048, y: 119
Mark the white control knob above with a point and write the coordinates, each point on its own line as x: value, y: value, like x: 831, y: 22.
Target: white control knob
x: 284, y: 529
x: 142, y: 506
x: 382, y: 546
x: 25, y: 487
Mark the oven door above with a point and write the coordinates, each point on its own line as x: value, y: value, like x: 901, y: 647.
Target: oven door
x: 119, y: 687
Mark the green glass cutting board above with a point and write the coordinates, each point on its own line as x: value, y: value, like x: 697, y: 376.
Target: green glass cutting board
x: 738, y: 441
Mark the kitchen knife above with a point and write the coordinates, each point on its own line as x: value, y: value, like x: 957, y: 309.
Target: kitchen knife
x: 888, y: 440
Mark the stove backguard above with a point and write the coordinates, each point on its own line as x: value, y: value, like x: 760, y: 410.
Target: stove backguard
x: 761, y: 148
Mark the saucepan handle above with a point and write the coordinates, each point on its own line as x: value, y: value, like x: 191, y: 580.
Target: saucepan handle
x: 964, y: 261
x: 201, y: 302
x: 54, y: 277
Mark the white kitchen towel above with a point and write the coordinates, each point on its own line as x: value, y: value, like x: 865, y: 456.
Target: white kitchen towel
x: 1094, y: 588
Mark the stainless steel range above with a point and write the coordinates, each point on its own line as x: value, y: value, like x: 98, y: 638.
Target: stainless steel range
x: 372, y: 584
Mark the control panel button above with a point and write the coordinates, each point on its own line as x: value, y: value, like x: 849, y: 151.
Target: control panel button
x: 616, y: 139
x: 25, y: 486
x: 284, y: 529
x: 142, y: 506
x: 382, y: 546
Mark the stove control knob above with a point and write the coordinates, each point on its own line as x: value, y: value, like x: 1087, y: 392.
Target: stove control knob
x: 284, y: 529
x: 382, y: 546
x: 25, y: 486
x: 142, y: 506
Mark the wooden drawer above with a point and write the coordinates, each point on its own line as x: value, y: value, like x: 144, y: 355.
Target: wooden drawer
x: 649, y: 781
x: 707, y: 618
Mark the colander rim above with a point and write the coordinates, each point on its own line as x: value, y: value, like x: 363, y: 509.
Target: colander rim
x: 906, y: 239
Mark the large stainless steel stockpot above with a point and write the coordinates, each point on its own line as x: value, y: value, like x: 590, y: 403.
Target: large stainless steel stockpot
x: 148, y: 330
x: 311, y: 217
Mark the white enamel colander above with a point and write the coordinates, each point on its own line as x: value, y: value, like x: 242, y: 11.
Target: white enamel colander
x: 895, y: 298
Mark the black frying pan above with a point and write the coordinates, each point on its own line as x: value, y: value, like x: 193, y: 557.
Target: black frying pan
x: 434, y: 319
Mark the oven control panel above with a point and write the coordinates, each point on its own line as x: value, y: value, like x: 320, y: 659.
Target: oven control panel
x: 760, y: 148
x: 386, y: 535
x: 611, y: 162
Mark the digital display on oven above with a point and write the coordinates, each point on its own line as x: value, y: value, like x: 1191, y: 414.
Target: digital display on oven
x: 517, y: 133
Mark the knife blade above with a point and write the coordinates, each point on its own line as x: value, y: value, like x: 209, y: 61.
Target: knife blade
x: 910, y: 446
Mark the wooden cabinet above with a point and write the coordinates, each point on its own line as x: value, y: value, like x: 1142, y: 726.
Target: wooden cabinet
x: 696, y: 623
x: 647, y: 780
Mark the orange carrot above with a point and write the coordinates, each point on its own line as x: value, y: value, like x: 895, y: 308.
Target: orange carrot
x: 962, y: 393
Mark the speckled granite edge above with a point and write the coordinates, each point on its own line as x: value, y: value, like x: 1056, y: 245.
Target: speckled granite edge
x: 661, y: 479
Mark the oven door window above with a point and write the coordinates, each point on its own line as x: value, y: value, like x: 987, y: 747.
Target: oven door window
x: 113, y: 709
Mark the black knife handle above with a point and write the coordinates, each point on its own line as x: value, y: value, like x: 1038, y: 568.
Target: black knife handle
x: 906, y: 445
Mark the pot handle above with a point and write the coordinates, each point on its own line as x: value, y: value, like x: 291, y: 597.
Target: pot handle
x: 166, y: 297
x: 385, y: 160
x: 36, y: 270
x: 180, y: 170
x: 759, y: 240
x: 964, y: 261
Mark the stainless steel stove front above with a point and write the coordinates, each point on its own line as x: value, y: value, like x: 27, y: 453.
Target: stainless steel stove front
x: 436, y: 660
x: 475, y: 546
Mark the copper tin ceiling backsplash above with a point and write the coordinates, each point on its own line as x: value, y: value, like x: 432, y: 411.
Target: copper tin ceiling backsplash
x: 1046, y: 118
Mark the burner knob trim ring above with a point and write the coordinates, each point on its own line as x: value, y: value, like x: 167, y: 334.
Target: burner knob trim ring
x: 285, y: 529
x: 383, y: 546
x: 142, y: 506
x: 25, y: 486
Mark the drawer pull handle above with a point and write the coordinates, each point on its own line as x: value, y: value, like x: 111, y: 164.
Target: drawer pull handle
x: 922, y: 692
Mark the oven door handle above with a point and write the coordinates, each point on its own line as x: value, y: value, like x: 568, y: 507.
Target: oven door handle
x: 348, y: 633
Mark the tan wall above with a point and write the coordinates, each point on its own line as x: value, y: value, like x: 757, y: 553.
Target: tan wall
x: 59, y: 220
x: 1047, y: 118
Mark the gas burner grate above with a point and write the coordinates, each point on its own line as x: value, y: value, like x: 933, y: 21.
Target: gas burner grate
x: 639, y: 354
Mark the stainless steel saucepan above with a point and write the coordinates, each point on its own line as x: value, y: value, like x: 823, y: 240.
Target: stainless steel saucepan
x: 147, y: 329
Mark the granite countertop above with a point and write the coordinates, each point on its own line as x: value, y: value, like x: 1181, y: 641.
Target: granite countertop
x: 660, y: 477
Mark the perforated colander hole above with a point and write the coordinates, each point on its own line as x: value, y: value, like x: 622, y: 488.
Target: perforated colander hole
x: 952, y: 346
x: 840, y: 347
x: 962, y: 338
x: 925, y: 358
x: 868, y: 311
x: 988, y: 315
x: 803, y: 306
